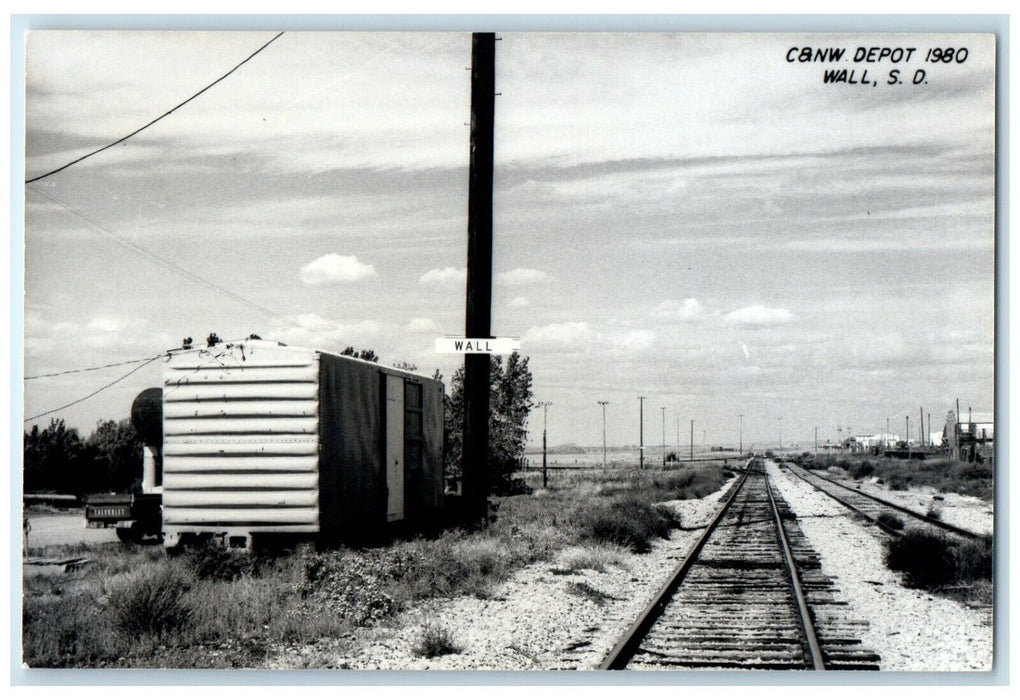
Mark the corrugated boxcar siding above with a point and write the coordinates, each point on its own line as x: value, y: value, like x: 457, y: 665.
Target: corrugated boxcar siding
x: 241, y: 442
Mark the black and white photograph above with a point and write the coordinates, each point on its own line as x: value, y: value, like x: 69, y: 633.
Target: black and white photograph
x: 657, y: 351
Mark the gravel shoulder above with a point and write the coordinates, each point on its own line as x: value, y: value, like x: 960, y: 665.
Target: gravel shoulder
x: 910, y: 629
x: 546, y: 616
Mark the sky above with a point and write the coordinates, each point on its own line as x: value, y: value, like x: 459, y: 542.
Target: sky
x: 687, y: 217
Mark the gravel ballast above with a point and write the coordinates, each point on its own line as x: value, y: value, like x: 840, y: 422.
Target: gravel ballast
x: 552, y: 615
x: 912, y: 630
x: 542, y: 618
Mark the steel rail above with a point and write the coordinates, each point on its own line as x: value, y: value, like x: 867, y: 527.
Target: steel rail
x: 629, y: 643
x: 846, y: 504
x: 912, y: 513
x: 817, y: 660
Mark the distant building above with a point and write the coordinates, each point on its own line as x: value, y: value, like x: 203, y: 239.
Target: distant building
x: 870, y: 442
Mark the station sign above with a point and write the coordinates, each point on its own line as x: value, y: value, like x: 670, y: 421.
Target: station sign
x: 478, y: 346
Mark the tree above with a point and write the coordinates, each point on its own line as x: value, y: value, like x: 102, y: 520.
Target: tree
x: 55, y: 460
x: 369, y: 355
x: 509, y: 406
x: 116, y: 453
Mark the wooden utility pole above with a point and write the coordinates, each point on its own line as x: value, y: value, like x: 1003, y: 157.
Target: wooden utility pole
x: 603, y: 404
x: 478, y: 312
x: 641, y: 424
x: 544, y: 405
x: 692, y: 439
x: 663, y: 409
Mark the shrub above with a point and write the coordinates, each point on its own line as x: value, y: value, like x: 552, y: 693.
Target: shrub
x: 435, y: 641
x: 350, y: 585
x: 931, y: 559
x: 934, y: 512
x: 215, y: 563
x: 626, y: 522
x: 151, y: 602
x: 924, y: 556
x: 890, y: 520
x: 862, y: 470
x: 973, y: 560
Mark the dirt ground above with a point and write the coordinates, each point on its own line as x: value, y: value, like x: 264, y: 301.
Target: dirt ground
x: 64, y: 528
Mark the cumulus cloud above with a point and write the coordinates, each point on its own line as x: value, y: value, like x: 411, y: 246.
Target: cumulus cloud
x: 633, y: 340
x: 683, y: 310
x: 519, y: 302
x: 333, y: 268
x: 521, y: 276
x: 315, y: 331
x: 104, y: 333
x: 422, y: 325
x: 759, y: 316
x: 559, y: 337
x: 445, y: 277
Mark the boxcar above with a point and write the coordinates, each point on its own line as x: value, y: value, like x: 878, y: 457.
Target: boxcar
x: 259, y: 438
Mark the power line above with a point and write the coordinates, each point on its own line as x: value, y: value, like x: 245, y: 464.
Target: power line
x: 165, y: 114
x: 91, y: 369
x: 102, y: 388
x: 145, y: 252
x: 173, y: 267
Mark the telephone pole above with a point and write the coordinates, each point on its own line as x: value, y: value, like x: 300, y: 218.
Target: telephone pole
x: 663, y: 408
x: 780, y: 433
x: 544, y: 405
x: 741, y: 433
x: 908, y: 437
x: 603, y: 404
x: 641, y: 445
x: 692, y: 439
x: 478, y: 310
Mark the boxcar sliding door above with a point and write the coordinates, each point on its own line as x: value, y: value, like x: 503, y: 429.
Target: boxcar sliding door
x: 394, y: 448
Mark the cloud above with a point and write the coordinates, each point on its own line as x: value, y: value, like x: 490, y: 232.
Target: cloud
x: 633, y: 340
x: 521, y: 276
x: 682, y: 310
x: 315, y: 331
x: 422, y: 325
x: 519, y: 302
x: 106, y: 334
x: 759, y: 316
x: 559, y: 337
x: 445, y: 277
x: 333, y: 268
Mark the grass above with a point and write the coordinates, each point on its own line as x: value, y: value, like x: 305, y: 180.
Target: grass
x: 435, y: 641
x: 209, y: 608
x: 586, y: 590
x: 890, y: 520
x: 940, y: 473
x: 593, y: 557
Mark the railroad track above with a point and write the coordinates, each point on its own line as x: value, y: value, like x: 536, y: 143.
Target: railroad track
x: 749, y: 595
x: 871, y: 507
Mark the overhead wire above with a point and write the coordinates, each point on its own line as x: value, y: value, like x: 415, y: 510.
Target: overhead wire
x: 91, y: 369
x: 100, y: 389
x: 174, y: 267
x: 162, y: 116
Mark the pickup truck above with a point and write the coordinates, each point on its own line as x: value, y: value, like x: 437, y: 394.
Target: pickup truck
x: 135, y: 516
